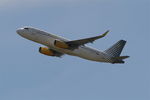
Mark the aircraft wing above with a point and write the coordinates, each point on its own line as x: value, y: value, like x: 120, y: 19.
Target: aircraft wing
x: 76, y: 43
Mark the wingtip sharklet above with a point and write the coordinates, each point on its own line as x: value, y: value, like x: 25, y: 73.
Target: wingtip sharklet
x: 105, y: 33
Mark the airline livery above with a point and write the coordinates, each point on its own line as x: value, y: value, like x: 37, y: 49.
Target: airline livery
x: 57, y: 46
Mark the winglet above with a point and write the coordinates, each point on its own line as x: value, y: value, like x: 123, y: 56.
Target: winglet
x: 105, y: 33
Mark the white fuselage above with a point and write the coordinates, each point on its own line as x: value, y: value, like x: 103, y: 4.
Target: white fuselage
x: 48, y: 40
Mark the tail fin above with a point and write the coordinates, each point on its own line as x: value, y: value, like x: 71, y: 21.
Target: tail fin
x: 116, y: 49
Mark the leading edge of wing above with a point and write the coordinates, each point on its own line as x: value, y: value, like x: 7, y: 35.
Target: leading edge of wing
x: 77, y: 43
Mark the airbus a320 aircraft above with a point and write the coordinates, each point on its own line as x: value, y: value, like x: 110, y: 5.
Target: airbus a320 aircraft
x: 58, y: 46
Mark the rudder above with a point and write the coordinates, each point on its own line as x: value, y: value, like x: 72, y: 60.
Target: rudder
x: 116, y: 49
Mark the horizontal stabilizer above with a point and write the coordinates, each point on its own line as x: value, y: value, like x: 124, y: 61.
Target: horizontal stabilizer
x: 121, y: 57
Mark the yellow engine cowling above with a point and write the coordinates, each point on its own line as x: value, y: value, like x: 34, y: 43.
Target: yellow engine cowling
x: 46, y: 51
x: 61, y: 44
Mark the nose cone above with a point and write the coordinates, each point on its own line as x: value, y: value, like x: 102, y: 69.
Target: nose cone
x: 19, y: 31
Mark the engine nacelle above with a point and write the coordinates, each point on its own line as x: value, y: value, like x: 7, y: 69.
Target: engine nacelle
x: 60, y: 44
x: 46, y: 51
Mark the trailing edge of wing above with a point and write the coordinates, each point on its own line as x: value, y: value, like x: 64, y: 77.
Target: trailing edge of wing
x: 76, y: 43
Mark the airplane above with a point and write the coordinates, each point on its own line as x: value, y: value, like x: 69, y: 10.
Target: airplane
x: 57, y: 46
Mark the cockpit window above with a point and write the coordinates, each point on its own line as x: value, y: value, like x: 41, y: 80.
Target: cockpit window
x: 26, y: 28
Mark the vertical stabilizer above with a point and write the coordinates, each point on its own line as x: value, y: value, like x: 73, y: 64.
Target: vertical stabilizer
x: 116, y: 49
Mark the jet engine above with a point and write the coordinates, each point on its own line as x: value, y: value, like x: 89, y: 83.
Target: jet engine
x: 46, y: 51
x: 61, y: 44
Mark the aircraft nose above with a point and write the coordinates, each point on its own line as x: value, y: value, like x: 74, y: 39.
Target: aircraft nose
x: 19, y: 31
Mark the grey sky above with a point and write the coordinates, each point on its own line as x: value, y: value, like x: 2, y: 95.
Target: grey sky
x: 25, y: 74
